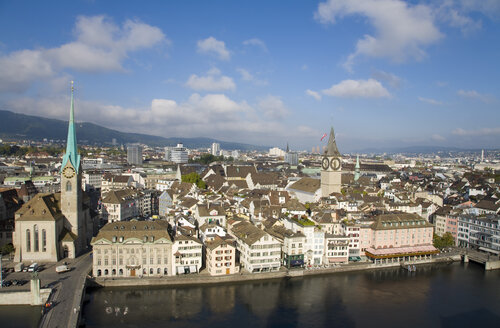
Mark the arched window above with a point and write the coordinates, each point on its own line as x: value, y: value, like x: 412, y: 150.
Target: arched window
x: 99, y: 272
x: 151, y: 271
x: 114, y: 272
x: 44, y: 240
x: 121, y: 272
x: 165, y: 271
x: 28, y: 240
x: 158, y: 271
x: 68, y: 185
x: 35, y: 241
x: 106, y: 272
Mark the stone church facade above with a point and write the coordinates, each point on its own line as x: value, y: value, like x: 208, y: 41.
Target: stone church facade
x: 53, y: 226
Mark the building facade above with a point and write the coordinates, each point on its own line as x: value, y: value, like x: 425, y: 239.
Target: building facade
x: 132, y: 249
x: 134, y: 154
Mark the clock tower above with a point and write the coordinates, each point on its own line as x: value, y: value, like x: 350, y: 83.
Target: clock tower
x: 71, y: 188
x: 331, y: 168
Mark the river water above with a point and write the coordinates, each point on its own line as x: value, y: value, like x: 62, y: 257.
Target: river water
x: 439, y: 295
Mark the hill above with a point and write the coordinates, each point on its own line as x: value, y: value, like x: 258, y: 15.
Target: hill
x: 20, y: 126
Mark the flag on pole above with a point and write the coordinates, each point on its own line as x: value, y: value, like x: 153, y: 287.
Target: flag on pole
x: 323, y: 137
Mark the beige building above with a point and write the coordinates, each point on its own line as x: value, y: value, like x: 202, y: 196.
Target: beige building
x: 133, y: 249
x: 220, y: 257
x: 121, y: 205
x: 56, y: 225
x: 259, y: 251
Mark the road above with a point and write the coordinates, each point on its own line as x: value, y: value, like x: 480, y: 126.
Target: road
x: 67, y: 292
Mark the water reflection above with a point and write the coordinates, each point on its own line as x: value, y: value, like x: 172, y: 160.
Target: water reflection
x: 431, y: 297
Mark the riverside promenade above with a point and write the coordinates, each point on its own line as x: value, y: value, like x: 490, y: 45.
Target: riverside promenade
x: 204, y: 278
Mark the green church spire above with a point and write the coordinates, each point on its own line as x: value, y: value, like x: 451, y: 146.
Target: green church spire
x: 71, y: 154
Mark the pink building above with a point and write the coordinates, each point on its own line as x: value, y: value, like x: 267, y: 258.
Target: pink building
x: 399, y: 237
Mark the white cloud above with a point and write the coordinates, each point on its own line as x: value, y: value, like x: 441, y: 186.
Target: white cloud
x: 473, y: 94
x: 211, y: 82
x: 247, y: 76
x: 401, y: 30
x: 273, y: 107
x: 477, y: 132
x: 212, y: 45
x: 313, y: 94
x: 256, y: 42
x: 391, y: 79
x: 430, y: 101
x: 211, y: 115
x: 100, y: 45
x: 437, y: 137
x: 358, y: 89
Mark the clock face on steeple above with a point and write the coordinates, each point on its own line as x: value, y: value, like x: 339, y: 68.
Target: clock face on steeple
x: 69, y: 172
x: 335, y: 164
x: 325, y: 163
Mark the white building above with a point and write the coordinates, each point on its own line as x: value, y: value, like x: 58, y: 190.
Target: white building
x: 187, y: 254
x: 314, y: 245
x: 215, y: 150
x: 179, y: 154
x: 276, y: 152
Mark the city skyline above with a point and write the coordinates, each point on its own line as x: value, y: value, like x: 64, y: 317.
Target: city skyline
x: 392, y: 74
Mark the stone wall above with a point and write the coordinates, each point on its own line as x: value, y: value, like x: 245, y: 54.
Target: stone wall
x: 22, y: 297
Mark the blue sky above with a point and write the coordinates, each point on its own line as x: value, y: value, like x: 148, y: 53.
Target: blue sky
x: 384, y: 73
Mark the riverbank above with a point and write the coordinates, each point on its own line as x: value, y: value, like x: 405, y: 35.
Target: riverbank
x: 205, y: 279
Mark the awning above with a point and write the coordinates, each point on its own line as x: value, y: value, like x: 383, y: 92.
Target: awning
x: 400, y: 251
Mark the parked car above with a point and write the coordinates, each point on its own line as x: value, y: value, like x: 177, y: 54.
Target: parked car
x: 33, y: 267
x: 6, y: 283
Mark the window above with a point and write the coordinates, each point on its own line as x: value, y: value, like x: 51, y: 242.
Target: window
x: 68, y: 186
x: 35, y: 241
x: 44, y: 240
x: 28, y: 240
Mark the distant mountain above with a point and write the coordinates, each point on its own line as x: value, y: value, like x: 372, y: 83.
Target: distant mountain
x: 416, y: 150
x: 20, y: 126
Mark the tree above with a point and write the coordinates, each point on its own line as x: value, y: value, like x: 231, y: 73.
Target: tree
x: 194, y: 178
x: 7, y: 249
x: 446, y: 240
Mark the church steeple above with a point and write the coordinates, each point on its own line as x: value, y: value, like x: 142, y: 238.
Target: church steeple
x: 331, y: 148
x: 356, y: 169
x: 71, y: 154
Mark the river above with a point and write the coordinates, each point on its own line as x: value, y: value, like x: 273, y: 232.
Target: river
x: 439, y: 295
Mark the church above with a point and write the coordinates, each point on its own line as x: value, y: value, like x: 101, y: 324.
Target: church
x: 308, y: 190
x: 54, y: 226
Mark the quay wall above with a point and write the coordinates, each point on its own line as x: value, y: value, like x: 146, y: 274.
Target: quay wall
x: 202, y: 279
x: 22, y: 297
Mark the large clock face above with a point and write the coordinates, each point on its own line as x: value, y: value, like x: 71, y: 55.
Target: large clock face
x: 335, y: 164
x: 325, y: 163
x: 69, y: 172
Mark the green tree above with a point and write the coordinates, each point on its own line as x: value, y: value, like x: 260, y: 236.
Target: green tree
x: 194, y: 178
x: 446, y: 240
x: 7, y: 249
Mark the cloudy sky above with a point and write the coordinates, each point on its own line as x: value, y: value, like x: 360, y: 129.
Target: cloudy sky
x: 384, y: 73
